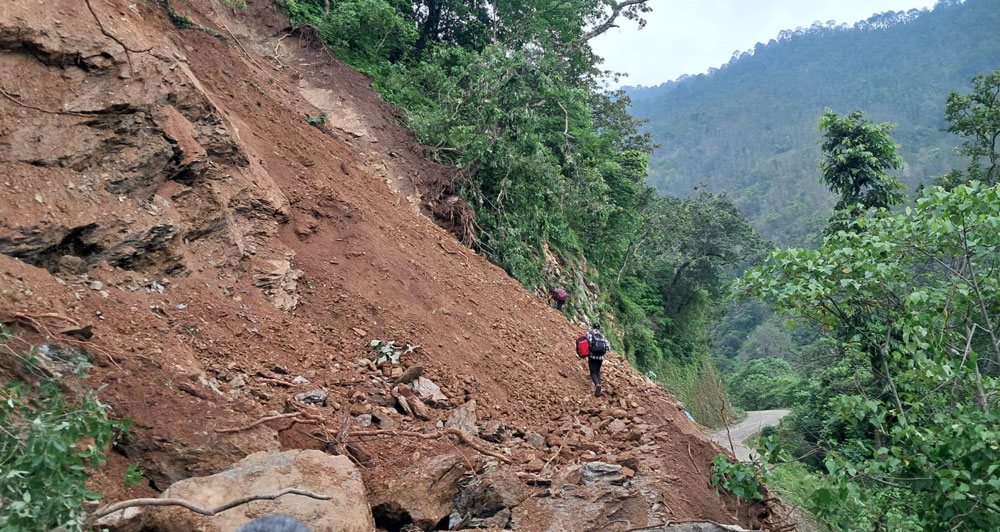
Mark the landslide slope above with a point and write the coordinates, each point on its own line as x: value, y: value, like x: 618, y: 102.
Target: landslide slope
x: 162, y: 185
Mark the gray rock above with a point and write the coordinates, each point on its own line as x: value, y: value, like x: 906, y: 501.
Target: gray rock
x: 428, y: 392
x: 597, y: 472
x: 534, y: 439
x: 464, y: 418
x: 485, y: 500
x: 316, y: 396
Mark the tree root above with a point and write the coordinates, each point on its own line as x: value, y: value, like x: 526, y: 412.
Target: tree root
x: 462, y: 435
x: 108, y: 510
x: 265, y: 420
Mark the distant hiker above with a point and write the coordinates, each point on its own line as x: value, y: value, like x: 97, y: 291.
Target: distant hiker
x: 559, y: 295
x: 598, y: 347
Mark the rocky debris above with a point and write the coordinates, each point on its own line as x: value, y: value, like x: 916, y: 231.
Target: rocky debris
x: 413, y: 403
x: 534, y: 439
x: 422, y: 494
x: 596, y: 472
x: 486, y: 500
x: 315, y: 396
x: 411, y: 374
x: 279, y: 283
x: 493, y: 431
x: 629, y: 460
x: 263, y: 473
x: 464, y: 418
x: 617, y: 426
x: 428, y: 392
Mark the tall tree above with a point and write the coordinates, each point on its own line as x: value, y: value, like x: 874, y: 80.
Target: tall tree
x: 857, y: 153
x: 976, y: 117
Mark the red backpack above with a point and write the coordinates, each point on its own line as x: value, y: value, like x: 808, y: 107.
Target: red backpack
x: 582, y: 346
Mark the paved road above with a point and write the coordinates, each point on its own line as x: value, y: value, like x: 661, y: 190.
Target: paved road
x: 755, y: 421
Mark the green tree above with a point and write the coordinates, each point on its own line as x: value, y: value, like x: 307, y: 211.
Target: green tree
x: 976, y: 117
x: 857, y: 154
x: 910, y: 301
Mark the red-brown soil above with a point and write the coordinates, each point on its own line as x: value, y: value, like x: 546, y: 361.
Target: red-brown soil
x: 238, y: 247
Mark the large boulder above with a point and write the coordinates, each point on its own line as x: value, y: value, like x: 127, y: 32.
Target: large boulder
x: 421, y: 495
x: 262, y: 473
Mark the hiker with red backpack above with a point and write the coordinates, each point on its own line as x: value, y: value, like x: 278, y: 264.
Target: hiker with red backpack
x: 593, y: 346
x: 559, y: 295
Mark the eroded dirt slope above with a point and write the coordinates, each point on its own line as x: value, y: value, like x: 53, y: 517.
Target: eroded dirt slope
x: 163, y: 186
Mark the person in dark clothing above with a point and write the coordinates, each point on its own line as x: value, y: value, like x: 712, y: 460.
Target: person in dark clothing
x: 560, y: 296
x: 598, y: 348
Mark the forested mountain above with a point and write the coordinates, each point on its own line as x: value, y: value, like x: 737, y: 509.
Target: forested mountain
x: 749, y: 127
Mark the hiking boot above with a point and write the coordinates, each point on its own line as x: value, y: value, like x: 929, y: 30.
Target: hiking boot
x: 597, y: 391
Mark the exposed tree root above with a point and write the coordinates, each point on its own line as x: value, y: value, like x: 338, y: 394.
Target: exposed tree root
x: 108, y: 510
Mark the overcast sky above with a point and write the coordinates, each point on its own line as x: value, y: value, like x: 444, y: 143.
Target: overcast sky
x: 689, y: 36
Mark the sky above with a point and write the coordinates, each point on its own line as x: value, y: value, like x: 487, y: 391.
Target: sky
x: 690, y: 36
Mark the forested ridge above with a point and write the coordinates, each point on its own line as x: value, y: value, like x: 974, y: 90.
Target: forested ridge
x: 552, y: 166
x: 749, y: 127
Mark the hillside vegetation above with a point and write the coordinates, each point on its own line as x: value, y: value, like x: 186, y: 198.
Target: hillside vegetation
x: 894, y: 381
x: 749, y: 127
x: 552, y: 167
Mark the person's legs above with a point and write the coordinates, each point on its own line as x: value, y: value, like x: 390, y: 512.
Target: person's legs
x: 595, y: 374
x: 559, y: 304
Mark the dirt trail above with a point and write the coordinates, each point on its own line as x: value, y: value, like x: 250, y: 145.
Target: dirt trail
x: 756, y: 420
x: 163, y: 186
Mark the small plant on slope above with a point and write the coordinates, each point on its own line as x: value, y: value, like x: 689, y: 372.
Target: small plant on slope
x: 50, y: 442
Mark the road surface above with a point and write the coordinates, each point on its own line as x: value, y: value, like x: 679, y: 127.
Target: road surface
x: 755, y: 421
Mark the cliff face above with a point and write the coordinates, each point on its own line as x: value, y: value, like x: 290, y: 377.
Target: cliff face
x: 235, y: 262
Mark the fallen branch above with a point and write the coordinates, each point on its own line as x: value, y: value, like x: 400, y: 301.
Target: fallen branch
x: 108, y: 510
x: 462, y: 435
x: 39, y: 109
x: 691, y: 456
x: 258, y: 422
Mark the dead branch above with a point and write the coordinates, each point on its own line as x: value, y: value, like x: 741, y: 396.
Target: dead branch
x: 108, y: 510
x: 691, y: 456
x: 39, y: 109
x: 616, y: 10
x: 261, y: 420
x: 462, y: 435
